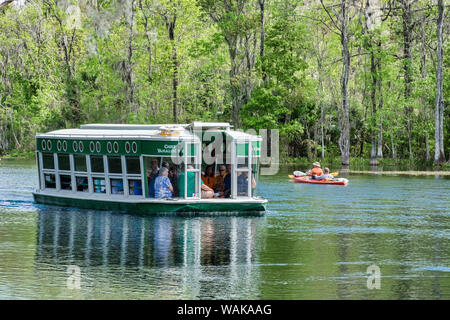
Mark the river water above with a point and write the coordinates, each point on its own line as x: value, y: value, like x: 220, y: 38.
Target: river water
x: 314, y: 242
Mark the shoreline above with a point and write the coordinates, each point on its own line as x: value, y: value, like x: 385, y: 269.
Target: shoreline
x: 410, y: 173
x: 18, y: 156
x: 441, y: 172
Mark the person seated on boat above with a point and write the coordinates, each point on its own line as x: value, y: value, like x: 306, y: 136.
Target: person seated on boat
x: 166, y: 165
x: 151, y: 176
x: 316, y: 171
x: 173, y: 177
x: 219, y: 183
x: 209, y: 177
x: 326, y: 175
x: 206, y: 192
x: 242, y: 183
x: 163, y: 187
x: 227, y: 181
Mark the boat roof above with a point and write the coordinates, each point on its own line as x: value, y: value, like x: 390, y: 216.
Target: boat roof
x: 146, y: 131
x: 243, y: 136
x: 123, y: 133
x: 226, y: 128
x: 102, y: 126
x: 209, y: 125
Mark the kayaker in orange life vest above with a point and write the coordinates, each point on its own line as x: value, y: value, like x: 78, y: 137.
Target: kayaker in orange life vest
x: 316, y: 171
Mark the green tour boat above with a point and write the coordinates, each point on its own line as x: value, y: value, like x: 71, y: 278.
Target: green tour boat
x: 115, y: 167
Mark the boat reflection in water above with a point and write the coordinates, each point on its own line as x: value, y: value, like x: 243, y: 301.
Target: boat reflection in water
x: 164, y: 256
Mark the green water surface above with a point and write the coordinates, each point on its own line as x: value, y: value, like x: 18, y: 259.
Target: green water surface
x: 315, y: 242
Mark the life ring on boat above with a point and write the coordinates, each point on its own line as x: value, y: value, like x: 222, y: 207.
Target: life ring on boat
x: 170, y: 131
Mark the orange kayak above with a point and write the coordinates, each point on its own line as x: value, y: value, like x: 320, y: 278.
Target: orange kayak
x: 342, y: 182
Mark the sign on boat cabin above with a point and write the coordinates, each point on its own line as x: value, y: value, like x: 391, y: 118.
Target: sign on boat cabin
x: 115, y: 167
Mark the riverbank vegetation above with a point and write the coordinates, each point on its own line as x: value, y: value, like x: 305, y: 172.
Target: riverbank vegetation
x: 350, y: 79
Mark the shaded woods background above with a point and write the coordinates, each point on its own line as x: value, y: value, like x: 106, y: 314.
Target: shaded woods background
x: 338, y: 78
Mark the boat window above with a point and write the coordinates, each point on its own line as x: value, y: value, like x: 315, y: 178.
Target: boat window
x: 48, y: 160
x: 191, y: 161
x: 80, y: 162
x: 38, y: 162
x: 50, y: 181
x: 242, y: 183
x: 255, y: 173
x: 99, y: 185
x: 135, y: 187
x: 243, y: 173
x: 174, y: 174
x: 63, y: 162
x: 242, y: 162
x: 65, y: 181
x: 152, y: 166
x: 190, y: 187
x: 116, y: 186
x: 115, y: 164
x: 133, y: 165
x: 82, y: 184
x: 191, y: 184
x: 175, y: 178
x: 97, y: 164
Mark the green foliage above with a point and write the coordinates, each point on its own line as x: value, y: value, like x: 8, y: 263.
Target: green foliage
x: 114, y: 63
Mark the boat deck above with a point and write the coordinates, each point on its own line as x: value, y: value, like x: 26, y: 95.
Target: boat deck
x: 99, y: 201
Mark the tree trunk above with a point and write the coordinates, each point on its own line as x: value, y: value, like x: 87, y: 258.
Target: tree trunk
x: 262, y: 4
x: 129, y: 68
x: 380, y: 139
x: 320, y: 93
x: 170, y: 24
x: 308, y: 144
x: 322, y: 141
x: 315, y: 140
x: 380, y: 107
x: 250, y: 56
x: 407, y: 60
x: 149, y: 43
x: 322, y: 138
x: 394, y: 154
x: 439, y: 156
x: 344, y: 138
x: 423, y: 99
x: 175, y: 83
x: 380, y: 119
x: 235, y: 88
x: 373, y: 72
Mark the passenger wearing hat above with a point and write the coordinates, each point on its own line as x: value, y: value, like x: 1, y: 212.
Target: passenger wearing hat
x: 316, y: 171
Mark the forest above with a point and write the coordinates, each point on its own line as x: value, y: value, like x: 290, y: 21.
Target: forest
x: 365, y: 79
